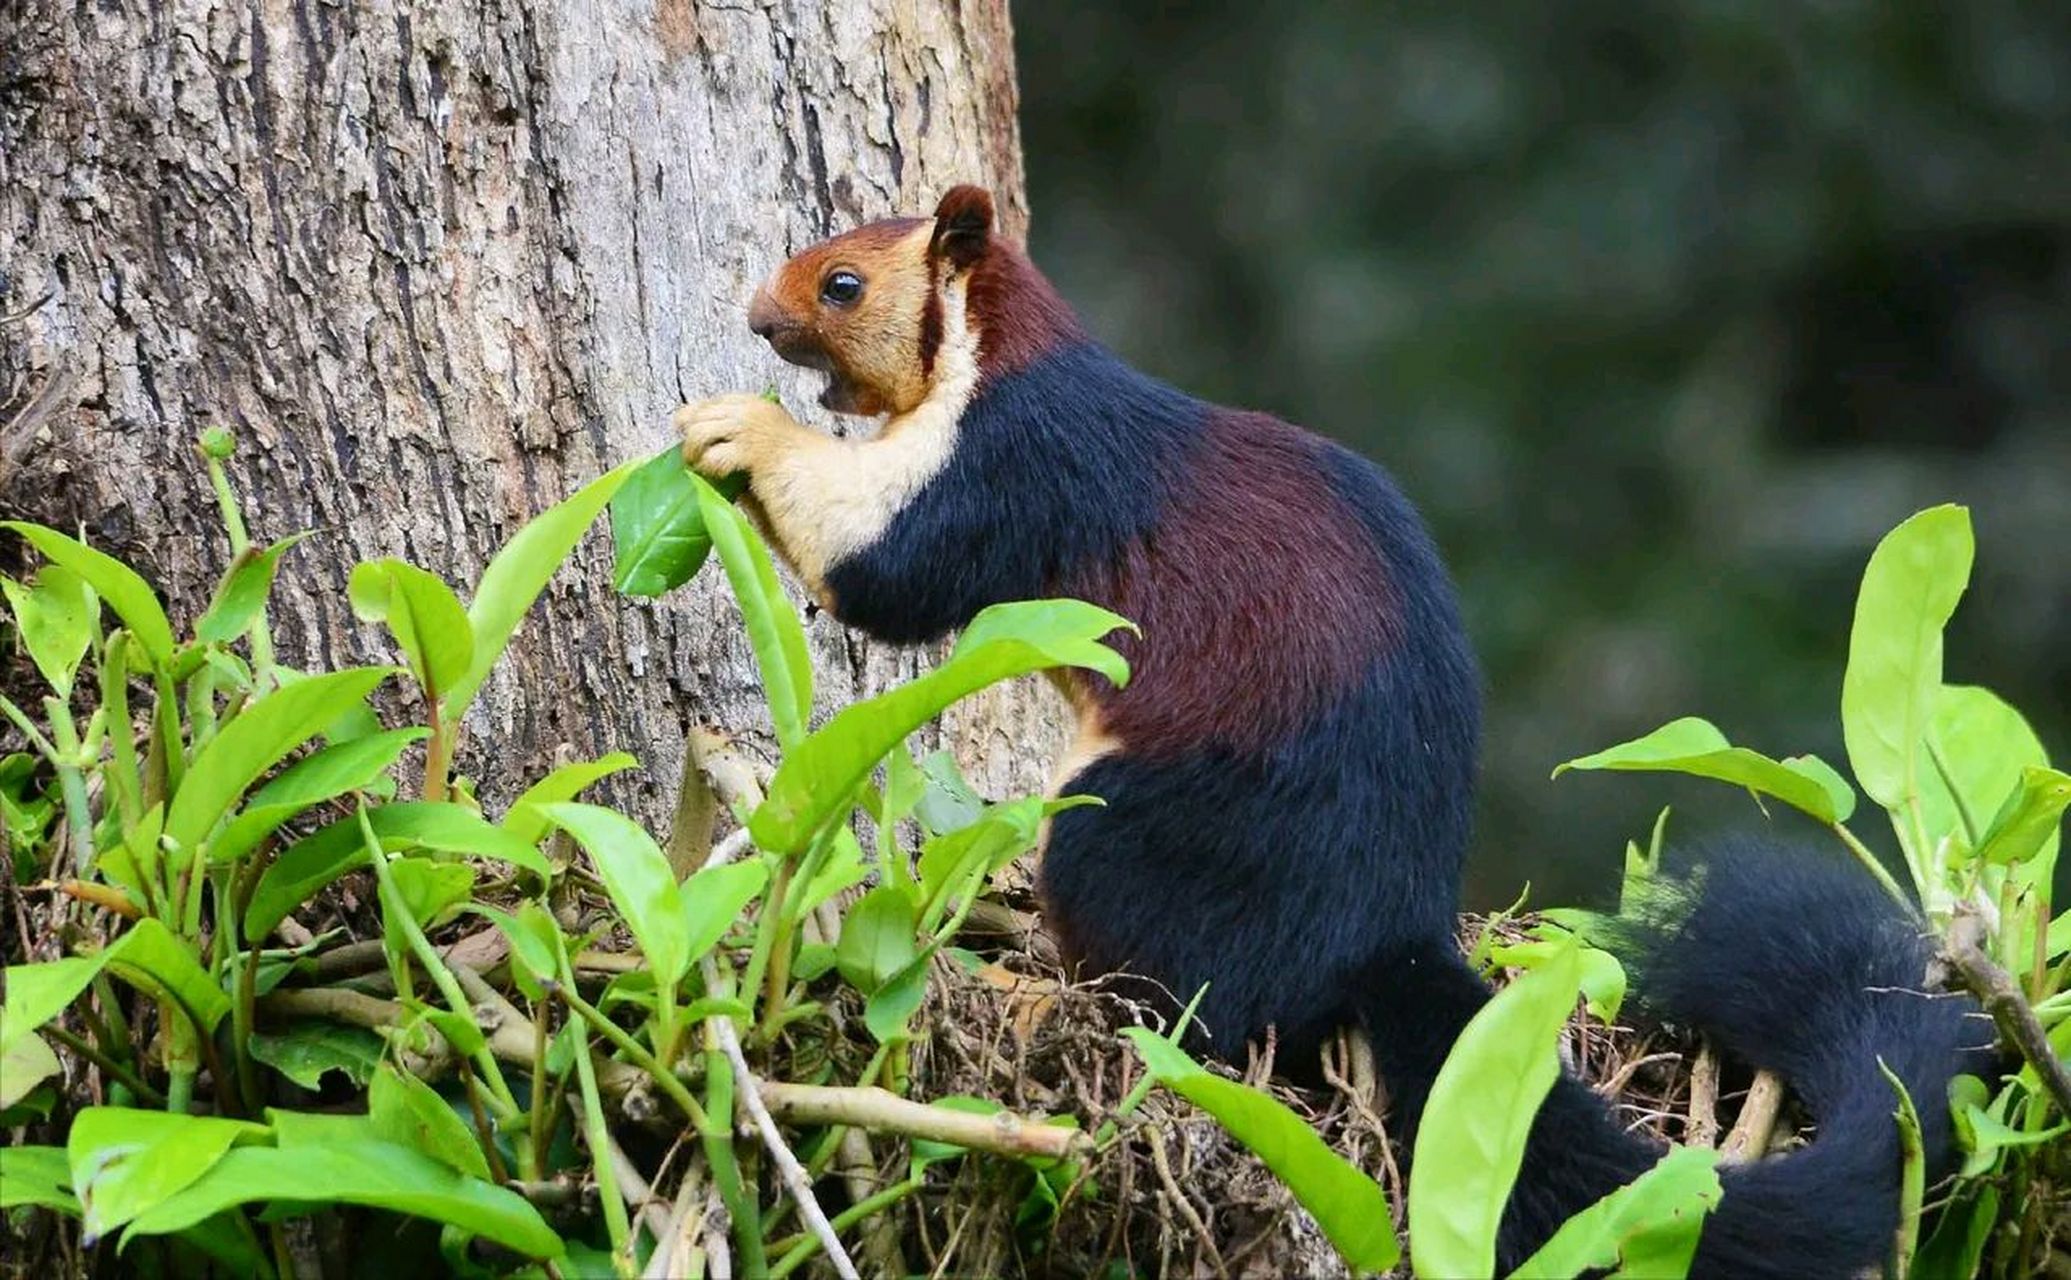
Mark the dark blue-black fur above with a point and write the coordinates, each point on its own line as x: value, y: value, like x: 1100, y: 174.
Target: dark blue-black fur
x: 1313, y: 883
x: 1276, y: 877
x: 1790, y: 959
x: 1058, y: 464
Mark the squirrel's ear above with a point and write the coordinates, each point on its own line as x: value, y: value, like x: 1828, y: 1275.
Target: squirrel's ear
x: 963, y: 223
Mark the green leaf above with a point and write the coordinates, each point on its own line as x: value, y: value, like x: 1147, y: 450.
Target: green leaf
x: 54, y: 619
x: 424, y: 616
x: 1350, y: 1207
x: 125, y: 1161
x: 949, y: 802
x: 773, y: 627
x: 1603, y: 977
x: 323, y: 775
x: 430, y: 889
x: 1957, y: 1247
x: 303, y: 1051
x: 877, y: 937
x: 407, y: 1111
x: 452, y: 828
x: 150, y: 958
x: 37, y: 1176
x: 904, y: 785
x: 1067, y: 633
x: 844, y: 868
x: 114, y: 582
x: 259, y: 738
x: 716, y: 1007
x: 36, y: 993
x: 524, y: 819
x: 1695, y: 746
x: 321, y: 857
x: 382, y: 1175
x: 2027, y: 824
x: 518, y: 573
x: 1001, y: 834
x: 887, y: 1010
x: 243, y: 592
x: 1988, y: 1135
x: 637, y: 876
x: 534, y: 939
x: 1980, y: 746
x: 1652, y: 1225
x: 658, y: 532
x: 818, y: 778
x: 1471, y: 1141
x: 1909, y: 591
x: 715, y: 897
x: 26, y: 1063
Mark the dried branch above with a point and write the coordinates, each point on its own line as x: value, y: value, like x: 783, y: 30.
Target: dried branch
x: 1757, y: 1122
x: 1702, y: 1127
x: 793, y: 1173
x: 882, y: 1111
x: 1963, y: 956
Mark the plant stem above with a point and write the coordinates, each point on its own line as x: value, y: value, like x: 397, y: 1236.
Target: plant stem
x: 769, y: 964
x: 240, y: 542
x: 247, y: 984
x: 397, y: 913
x: 179, y: 1089
x: 485, y: 1132
x: 72, y: 784
x: 165, y: 713
x: 726, y: 1169
x: 29, y: 731
x: 122, y: 776
x: 437, y: 750
x: 107, y: 1064
x: 597, y: 1136
x: 201, y: 707
x: 717, y: 1130
x: 664, y: 1078
x: 1872, y: 865
x: 802, y: 1252
x: 117, y: 1028
x: 539, y: 1135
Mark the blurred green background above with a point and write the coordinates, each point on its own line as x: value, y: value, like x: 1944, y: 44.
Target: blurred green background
x: 1663, y: 313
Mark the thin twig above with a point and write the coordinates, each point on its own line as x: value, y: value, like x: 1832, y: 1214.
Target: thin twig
x: 1964, y: 956
x: 1180, y: 1201
x: 792, y: 1172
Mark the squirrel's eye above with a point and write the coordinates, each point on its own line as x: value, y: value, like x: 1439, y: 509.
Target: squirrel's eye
x: 842, y: 288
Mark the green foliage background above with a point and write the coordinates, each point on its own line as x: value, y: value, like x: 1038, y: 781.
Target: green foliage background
x: 1662, y: 313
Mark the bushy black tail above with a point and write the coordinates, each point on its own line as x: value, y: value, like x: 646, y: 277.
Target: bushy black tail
x: 1790, y: 960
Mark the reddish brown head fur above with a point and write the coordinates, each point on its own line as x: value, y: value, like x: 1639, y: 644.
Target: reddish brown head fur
x: 866, y: 307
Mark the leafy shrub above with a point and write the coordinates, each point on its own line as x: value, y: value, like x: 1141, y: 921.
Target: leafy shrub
x: 188, y: 836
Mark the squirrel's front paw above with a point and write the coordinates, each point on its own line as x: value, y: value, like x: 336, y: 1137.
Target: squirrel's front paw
x: 732, y: 433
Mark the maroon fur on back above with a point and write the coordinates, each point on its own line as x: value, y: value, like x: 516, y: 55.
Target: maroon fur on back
x: 1261, y: 598
x: 1019, y: 315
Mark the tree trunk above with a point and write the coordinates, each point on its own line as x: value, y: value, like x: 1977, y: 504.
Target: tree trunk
x: 438, y: 263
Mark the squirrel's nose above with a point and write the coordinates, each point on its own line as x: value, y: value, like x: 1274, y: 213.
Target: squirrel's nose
x: 764, y: 316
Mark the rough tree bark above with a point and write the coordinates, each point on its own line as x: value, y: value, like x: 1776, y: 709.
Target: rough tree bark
x: 438, y: 263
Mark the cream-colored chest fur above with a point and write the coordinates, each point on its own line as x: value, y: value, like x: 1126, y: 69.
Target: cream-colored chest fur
x: 827, y: 499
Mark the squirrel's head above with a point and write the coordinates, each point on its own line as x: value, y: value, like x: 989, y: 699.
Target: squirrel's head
x: 876, y: 308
